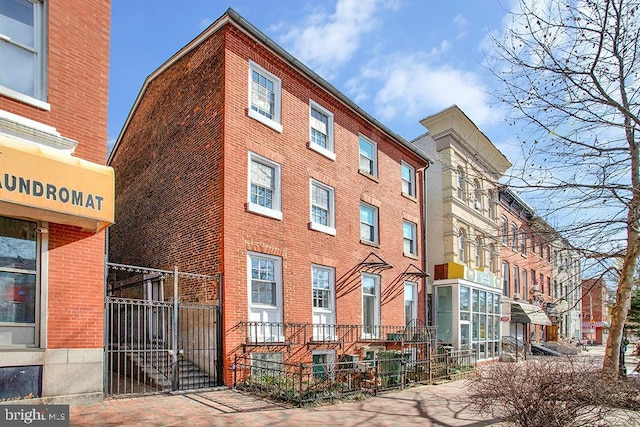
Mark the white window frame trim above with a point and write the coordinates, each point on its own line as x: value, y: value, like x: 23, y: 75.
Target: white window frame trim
x: 374, y: 150
x: 332, y: 289
x: 376, y: 231
x: 275, y: 213
x: 276, y: 122
x: 412, y: 171
x: 277, y: 275
x: 414, y: 296
x: 327, y: 229
x: 414, y: 238
x: 328, y: 152
x: 376, y: 315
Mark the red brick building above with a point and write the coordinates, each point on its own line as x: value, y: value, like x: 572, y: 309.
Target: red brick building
x: 56, y: 197
x: 238, y: 159
x: 526, y: 268
x: 595, y: 311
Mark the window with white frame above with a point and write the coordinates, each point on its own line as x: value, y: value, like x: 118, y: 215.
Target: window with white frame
x: 264, y: 186
x: 322, y: 287
x: 368, y: 223
x: 523, y: 242
x: 516, y: 279
x: 410, y: 301
x: 514, y: 236
x: 462, y: 255
x: 264, y: 96
x: 525, y: 285
x: 505, y: 279
x: 22, y: 49
x: 368, y: 156
x: 265, y: 280
x: 409, y: 234
x: 408, y: 174
x: 460, y: 183
x: 370, y: 305
x: 477, y: 196
x: 321, y: 130
x: 19, y: 282
x: 322, y: 208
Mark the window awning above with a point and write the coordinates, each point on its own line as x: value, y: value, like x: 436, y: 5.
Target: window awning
x: 39, y: 183
x: 528, y: 313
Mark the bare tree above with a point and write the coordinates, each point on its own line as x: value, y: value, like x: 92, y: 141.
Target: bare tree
x: 569, y: 73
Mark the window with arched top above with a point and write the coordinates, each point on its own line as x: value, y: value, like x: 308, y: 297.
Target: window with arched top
x: 461, y: 250
x: 492, y: 255
x: 479, y: 252
x: 460, y: 183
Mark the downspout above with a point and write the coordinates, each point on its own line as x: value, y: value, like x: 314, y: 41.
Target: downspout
x: 425, y: 251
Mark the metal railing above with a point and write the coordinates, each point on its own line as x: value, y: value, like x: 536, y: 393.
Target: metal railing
x: 303, y: 383
x: 270, y: 333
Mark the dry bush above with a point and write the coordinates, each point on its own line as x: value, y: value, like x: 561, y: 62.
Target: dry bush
x: 554, y: 392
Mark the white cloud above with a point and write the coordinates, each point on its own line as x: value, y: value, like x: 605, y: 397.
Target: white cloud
x: 412, y: 87
x: 326, y: 41
x: 439, y: 50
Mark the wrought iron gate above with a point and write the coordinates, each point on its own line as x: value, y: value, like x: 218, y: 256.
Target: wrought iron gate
x: 162, y: 330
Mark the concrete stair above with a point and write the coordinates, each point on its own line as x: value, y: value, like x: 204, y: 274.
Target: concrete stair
x: 155, y: 366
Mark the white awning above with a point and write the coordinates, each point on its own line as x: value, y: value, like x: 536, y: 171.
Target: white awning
x: 522, y: 312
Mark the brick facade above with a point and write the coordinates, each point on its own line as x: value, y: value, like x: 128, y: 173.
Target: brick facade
x: 71, y: 275
x: 182, y: 184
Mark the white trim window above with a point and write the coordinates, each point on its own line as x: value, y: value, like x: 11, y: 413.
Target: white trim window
x: 322, y: 208
x: 22, y: 41
x: 321, y: 130
x: 490, y: 207
x: 408, y: 174
x: 409, y: 237
x: 410, y: 301
x: 323, y: 303
x: 505, y: 231
x: 460, y: 183
x: 264, y: 281
x: 264, y: 186
x: 462, y: 251
x: 370, y: 305
x: 514, y: 236
x: 265, y: 297
x: 368, y: 223
x: 19, y: 282
x: 265, y: 93
x: 368, y: 156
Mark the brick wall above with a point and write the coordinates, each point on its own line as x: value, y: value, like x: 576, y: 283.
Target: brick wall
x: 77, y: 91
x: 78, y: 75
x: 182, y: 179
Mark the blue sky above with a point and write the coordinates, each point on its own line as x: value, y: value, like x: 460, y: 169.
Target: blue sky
x: 400, y: 60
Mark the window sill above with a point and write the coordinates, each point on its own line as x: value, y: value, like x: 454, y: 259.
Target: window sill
x: 322, y: 151
x: 368, y: 243
x: 26, y: 99
x: 260, y: 210
x: 410, y: 197
x: 322, y: 228
x: 368, y: 175
x: 264, y: 120
x: 412, y: 256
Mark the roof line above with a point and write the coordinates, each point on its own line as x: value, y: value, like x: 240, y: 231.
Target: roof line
x: 231, y: 16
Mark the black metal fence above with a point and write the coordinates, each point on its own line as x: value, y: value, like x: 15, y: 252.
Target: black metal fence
x: 303, y: 383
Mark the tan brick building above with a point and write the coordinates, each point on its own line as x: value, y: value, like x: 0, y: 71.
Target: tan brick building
x: 236, y: 159
x: 56, y: 197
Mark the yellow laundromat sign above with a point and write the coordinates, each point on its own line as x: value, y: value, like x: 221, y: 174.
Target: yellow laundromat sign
x: 62, y: 187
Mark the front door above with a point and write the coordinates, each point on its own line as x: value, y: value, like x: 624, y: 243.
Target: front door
x: 265, y: 298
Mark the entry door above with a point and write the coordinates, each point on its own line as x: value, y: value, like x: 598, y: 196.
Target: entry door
x: 265, y: 298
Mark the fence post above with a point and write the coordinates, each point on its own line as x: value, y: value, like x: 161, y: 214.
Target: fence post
x: 375, y: 376
x: 235, y: 370
x: 300, y: 390
x: 175, y: 380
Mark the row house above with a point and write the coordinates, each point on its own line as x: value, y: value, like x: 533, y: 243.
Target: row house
x: 238, y: 160
x: 595, y: 311
x: 462, y: 232
x: 56, y: 198
x: 540, y: 273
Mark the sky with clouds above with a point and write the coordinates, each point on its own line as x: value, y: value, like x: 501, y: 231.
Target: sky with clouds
x: 400, y: 60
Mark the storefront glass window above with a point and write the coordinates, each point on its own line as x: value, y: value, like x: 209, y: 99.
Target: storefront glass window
x: 444, y: 314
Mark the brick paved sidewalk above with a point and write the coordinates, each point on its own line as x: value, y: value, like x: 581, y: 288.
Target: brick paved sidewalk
x: 433, y: 405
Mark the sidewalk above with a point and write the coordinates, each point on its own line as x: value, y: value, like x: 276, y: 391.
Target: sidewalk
x: 431, y: 405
